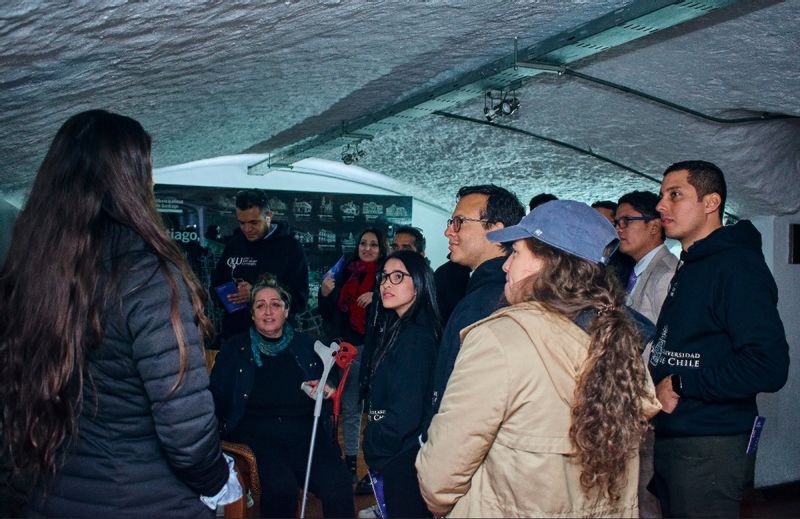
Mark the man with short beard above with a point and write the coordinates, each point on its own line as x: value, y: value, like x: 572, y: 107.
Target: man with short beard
x: 719, y: 342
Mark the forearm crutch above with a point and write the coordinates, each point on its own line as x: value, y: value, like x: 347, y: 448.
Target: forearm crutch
x: 328, y: 356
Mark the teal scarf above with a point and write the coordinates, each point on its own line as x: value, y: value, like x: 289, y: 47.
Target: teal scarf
x: 261, y: 344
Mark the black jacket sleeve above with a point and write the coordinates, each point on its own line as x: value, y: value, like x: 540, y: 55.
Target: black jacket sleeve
x: 184, y: 416
x: 222, y: 380
x: 328, y: 304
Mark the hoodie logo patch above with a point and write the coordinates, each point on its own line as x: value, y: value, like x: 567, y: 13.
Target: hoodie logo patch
x: 657, y: 353
x: 244, y: 261
x: 674, y: 359
x: 376, y: 415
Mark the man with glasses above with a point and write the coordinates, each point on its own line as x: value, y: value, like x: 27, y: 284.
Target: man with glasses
x: 262, y: 246
x: 641, y: 237
x: 480, y: 209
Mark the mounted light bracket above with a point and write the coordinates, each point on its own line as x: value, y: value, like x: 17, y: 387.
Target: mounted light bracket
x: 503, y: 103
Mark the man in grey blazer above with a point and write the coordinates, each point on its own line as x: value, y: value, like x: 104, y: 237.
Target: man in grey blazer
x: 642, y: 238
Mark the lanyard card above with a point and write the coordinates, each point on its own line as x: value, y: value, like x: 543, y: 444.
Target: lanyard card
x: 755, y: 435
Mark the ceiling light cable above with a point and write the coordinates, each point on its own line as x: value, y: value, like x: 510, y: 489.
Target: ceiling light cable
x: 550, y: 140
x: 563, y: 70
x: 563, y: 144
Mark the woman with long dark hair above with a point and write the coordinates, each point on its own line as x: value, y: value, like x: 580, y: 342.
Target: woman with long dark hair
x: 400, y: 379
x: 546, y: 407
x: 106, y: 408
x: 345, y: 301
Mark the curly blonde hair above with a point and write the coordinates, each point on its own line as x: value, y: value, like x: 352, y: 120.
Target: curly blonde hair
x: 608, y: 419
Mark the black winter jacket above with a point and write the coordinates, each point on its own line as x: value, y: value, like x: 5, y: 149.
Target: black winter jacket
x: 451, y: 286
x: 719, y: 329
x: 484, y: 296
x: 234, y: 372
x: 142, y: 450
x: 279, y: 254
x: 399, y: 394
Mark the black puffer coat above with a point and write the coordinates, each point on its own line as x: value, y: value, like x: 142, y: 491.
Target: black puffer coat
x: 142, y: 450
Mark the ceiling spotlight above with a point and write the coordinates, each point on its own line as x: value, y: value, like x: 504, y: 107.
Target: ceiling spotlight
x: 509, y: 106
x: 503, y: 103
x: 351, y: 154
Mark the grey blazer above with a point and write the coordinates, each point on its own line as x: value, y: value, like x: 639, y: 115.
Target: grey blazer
x: 653, y: 284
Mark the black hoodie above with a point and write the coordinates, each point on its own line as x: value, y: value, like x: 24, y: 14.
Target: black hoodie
x: 278, y: 253
x: 719, y: 330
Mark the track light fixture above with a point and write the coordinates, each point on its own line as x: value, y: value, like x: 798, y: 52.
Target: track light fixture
x: 351, y: 154
x: 503, y: 103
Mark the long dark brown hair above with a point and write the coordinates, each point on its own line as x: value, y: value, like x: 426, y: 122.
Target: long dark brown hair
x: 608, y: 419
x: 424, y: 303
x: 56, y: 281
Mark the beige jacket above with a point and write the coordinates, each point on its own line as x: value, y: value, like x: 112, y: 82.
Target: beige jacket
x: 499, y: 446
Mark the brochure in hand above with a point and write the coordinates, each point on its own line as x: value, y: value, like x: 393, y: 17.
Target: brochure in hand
x: 223, y: 291
x: 334, y: 270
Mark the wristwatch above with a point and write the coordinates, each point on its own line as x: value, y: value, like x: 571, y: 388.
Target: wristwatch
x: 677, y: 384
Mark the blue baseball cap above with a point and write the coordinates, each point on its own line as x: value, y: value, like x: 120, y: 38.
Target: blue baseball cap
x: 567, y: 225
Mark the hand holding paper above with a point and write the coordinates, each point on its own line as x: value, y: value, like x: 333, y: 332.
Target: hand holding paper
x: 310, y: 388
x: 242, y: 294
x: 335, y: 269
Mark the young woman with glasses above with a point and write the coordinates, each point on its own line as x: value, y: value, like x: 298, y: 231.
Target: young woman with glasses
x: 401, y: 370
x: 345, y: 302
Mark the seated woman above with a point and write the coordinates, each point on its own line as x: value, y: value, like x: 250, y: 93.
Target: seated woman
x: 546, y: 407
x: 256, y: 386
x: 400, y: 379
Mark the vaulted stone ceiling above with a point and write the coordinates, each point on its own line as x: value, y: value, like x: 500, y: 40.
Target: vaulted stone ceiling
x: 219, y: 78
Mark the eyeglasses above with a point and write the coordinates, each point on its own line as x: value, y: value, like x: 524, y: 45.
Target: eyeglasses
x: 395, y: 276
x: 458, y: 221
x: 623, y: 221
